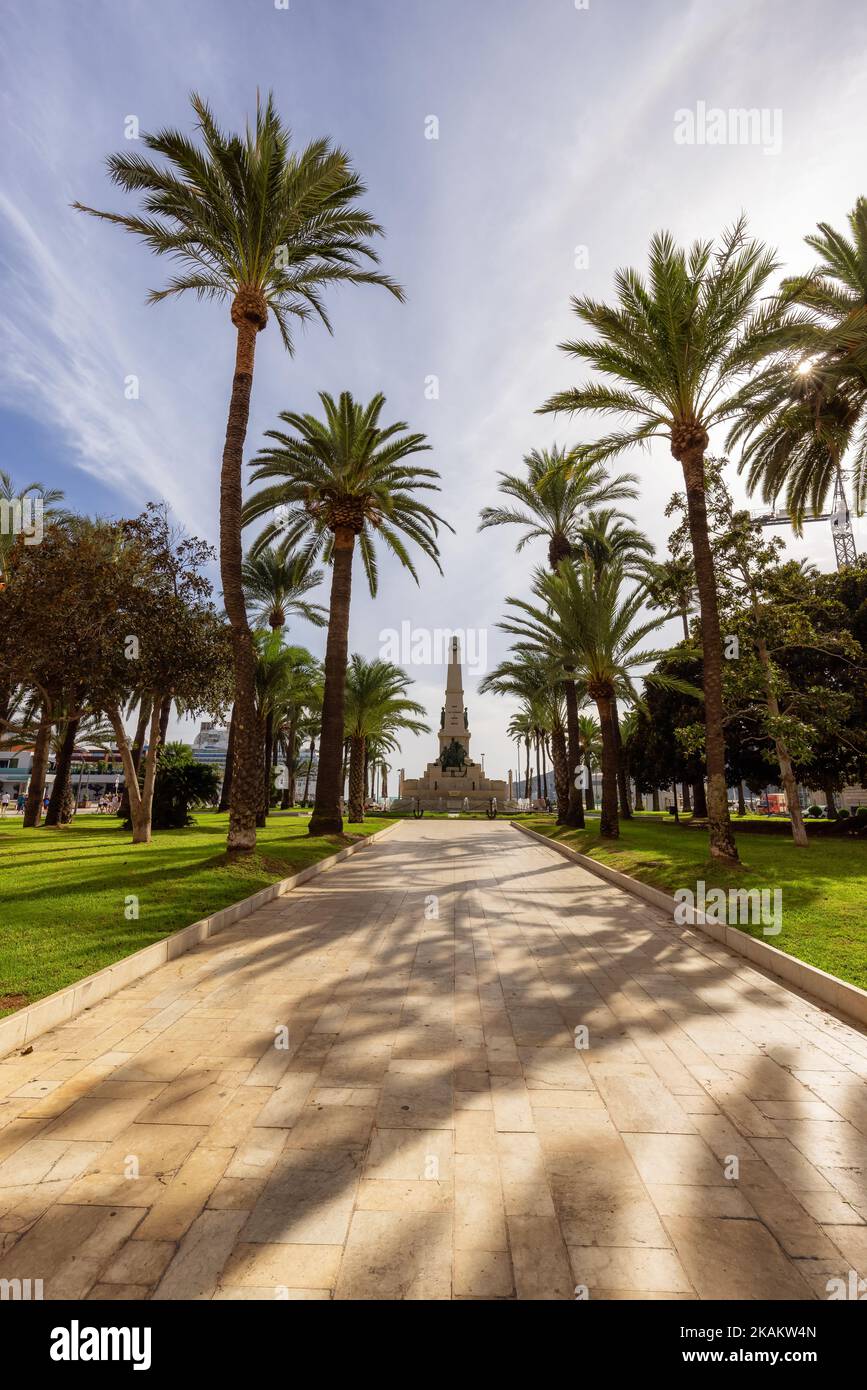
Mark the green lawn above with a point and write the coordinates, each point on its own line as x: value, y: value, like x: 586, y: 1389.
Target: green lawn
x: 63, y: 892
x: 824, y: 887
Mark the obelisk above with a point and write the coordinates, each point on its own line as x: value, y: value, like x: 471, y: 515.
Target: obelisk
x: 454, y: 716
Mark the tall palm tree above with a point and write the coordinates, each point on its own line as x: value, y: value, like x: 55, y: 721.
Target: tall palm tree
x: 335, y: 480
x: 376, y: 710
x: 606, y: 535
x: 274, y: 663
x: 249, y: 221
x: 591, y: 751
x: 591, y: 617
x: 809, y: 405
x: 520, y: 728
x: 538, y: 684
x: 297, y: 710
x: 673, y: 348
x: 559, y: 487
x: 275, y: 584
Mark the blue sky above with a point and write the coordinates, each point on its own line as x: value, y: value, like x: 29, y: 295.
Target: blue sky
x: 555, y: 131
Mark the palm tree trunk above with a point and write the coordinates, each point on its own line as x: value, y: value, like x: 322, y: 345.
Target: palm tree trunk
x: 326, y: 818
x: 357, y: 762
x: 622, y: 783
x: 787, y: 772
x: 699, y: 798
x: 575, y: 812
x: 528, y: 785
x: 544, y: 766
x: 291, y: 753
x: 654, y: 799
x: 742, y: 804
x: 62, y: 772
x: 722, y: 840
x: 591, y: 797
x: 685, y: 621
x: 561, y: 773
x: 266, y: 755
x: 609, y: 825
x: 538, y: 768
x: 309, y: 766
x: 226, y: 790
x: 246, y: 763
x: 39, y: 767
x: 165, y: 711
x: 687, y: 800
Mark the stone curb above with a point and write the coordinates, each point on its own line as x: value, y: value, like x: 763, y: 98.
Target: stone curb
x: 22, y: 1027
x: 821, y: 986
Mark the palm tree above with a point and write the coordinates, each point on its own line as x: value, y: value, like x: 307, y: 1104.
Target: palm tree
x: 538, y: 685
x: 284, y: 676
x: 520, y: 728
x: 810, y: 404
x: 591, y: 751
x: 806, y: 409
x: 297, y: 711
x: 560, y: 485
x: 673, y: 348
x: 275, y: 583
x: 340, y: 479
x: 588, y: 616
x: 607, y: 535
x: 253, y: 223
x: 376, y: 709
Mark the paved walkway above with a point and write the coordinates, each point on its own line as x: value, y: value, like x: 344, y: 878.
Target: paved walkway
x: 431, y: 1131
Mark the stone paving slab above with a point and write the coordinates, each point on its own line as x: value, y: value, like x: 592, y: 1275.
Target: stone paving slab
x: 371, y: 1090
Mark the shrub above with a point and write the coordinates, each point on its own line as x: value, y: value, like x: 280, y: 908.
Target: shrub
x: 181, y: 783
x: 842, y: 814
x: 814, y: 811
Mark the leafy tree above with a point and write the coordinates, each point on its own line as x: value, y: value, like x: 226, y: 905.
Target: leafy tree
x: 180, y: 784
x: 767, y: 619
x: 115, y: 607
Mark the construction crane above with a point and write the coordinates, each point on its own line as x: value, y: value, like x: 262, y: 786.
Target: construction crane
x: 839, y: 517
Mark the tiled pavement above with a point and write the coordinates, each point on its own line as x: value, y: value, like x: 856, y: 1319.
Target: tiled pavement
x: 431, y: 1131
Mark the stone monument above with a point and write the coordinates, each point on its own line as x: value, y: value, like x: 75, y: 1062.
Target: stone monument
x: 454, y: 778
